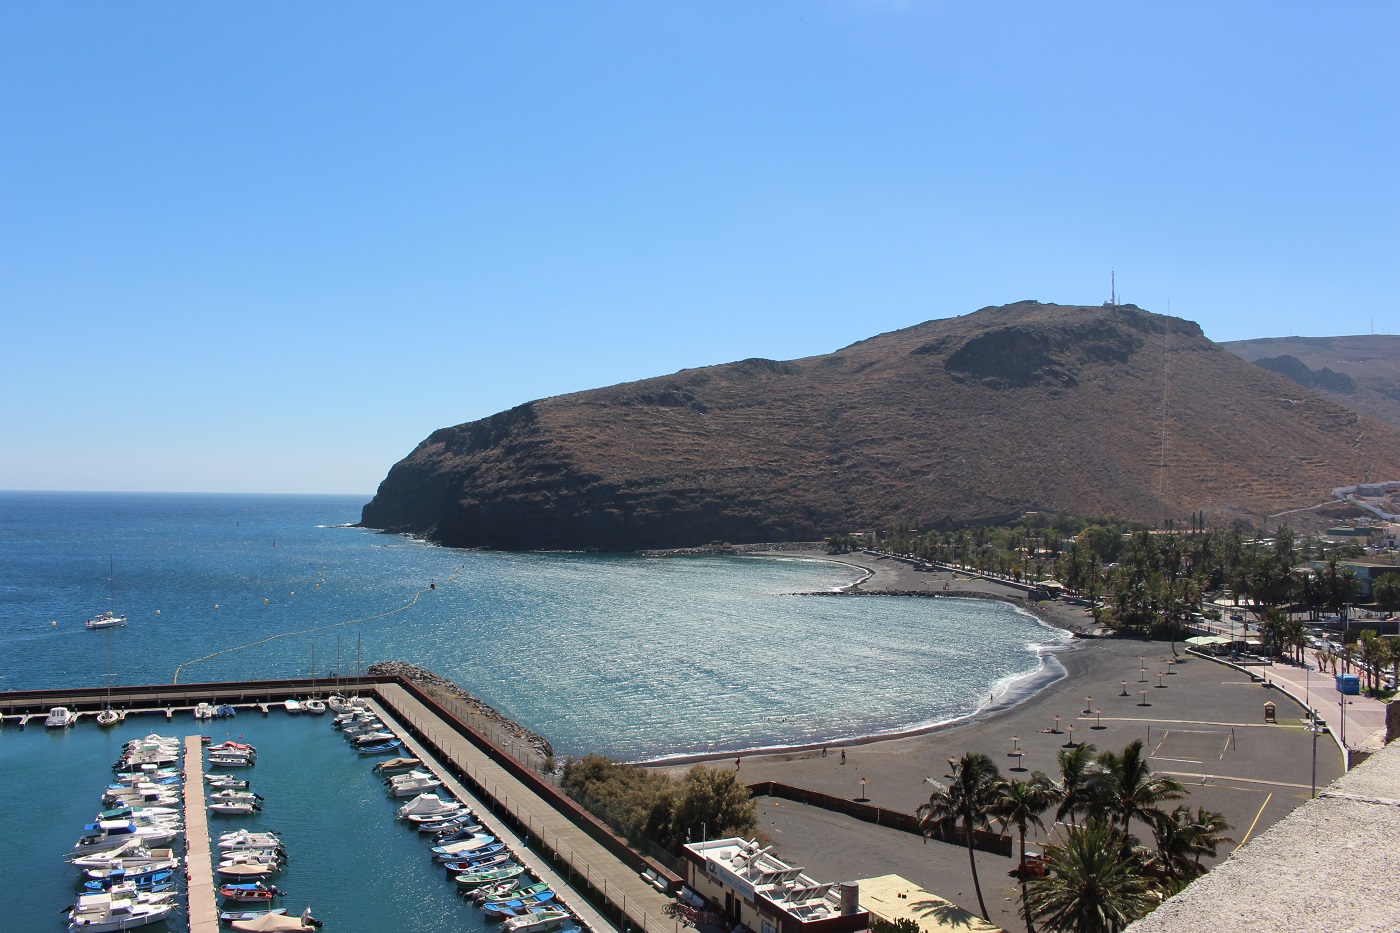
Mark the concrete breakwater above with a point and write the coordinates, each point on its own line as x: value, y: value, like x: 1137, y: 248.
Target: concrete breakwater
x: 431, y: 682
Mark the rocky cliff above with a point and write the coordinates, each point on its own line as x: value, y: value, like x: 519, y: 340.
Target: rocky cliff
x: 973, y: 418
x: 1360, y: 372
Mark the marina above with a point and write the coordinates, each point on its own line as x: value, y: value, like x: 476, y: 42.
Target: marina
x: 314, y: 776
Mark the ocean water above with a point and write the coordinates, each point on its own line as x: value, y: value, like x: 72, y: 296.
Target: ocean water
x: 631, y: 656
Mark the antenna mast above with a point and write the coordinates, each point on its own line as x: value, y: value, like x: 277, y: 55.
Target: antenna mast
x: 1163, y: 485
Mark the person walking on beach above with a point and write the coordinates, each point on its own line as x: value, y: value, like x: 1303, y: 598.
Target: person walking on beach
x: 843, y: 756
x: 736, y: 762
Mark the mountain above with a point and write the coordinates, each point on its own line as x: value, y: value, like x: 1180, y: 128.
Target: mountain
x: 1362, y: 373
x: 972, y: 418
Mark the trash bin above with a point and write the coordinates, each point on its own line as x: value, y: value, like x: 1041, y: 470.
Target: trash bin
x: 1270, y: 713
x: 1348, y: 684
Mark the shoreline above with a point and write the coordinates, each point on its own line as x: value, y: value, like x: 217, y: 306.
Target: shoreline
x: 1006, y: 695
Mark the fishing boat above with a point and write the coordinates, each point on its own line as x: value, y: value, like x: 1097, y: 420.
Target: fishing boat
x: 141, y: 881
x: 471, y: 879
x: 60, y: 717
x: 396, y: 765
x: 245, y: 870
x: 124, y: 872
x: 456, y: 851
x: 500, y: 910
x: 108, y: 619
x: 388, y: 748
x: 541, y: 921
x: 498, y: 860
x: 452, y: 830
x: 515, y: 893
x: 477, y: 858
x: 98, y: 913
x: 228, y: 916
x: 495, y: 889
x: 253, y: 892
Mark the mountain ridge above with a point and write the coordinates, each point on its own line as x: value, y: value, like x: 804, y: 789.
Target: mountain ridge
x: 971, y: 418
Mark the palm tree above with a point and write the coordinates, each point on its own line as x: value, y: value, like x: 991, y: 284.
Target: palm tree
x: 1021, y: 803
x: 971, y: 790
x: 1124, y: 786
x: 1208, y: 832
x: 1076, y: 766
x: 1095, y: 882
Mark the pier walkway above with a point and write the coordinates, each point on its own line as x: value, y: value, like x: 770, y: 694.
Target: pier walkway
x: 199, y: 869
x: 584, y: 859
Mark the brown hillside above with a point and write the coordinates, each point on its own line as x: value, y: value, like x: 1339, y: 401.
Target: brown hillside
x: 1027, y: 406
x: 1362, y: 373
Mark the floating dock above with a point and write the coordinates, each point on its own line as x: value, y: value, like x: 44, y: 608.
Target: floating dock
x: 199, y: 869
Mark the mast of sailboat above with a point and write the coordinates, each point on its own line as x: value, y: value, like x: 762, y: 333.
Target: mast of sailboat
x: 337, y: 665
x: 359, y: 642
x: 108, y: 703
x: 313, y: 669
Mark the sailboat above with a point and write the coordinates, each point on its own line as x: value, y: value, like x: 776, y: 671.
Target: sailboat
x: 108, y: 619
x: 108, y: 716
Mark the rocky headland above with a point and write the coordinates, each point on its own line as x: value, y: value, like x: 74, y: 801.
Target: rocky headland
x: 968, y: 419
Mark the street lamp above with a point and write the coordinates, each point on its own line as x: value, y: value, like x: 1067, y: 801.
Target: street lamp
x: 1098, y: 719
x: 862, y: 782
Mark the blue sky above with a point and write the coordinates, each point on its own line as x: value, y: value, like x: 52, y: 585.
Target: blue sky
x: 270, y: 247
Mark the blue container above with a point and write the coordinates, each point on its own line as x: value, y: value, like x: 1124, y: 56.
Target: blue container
x: 1349, y: 684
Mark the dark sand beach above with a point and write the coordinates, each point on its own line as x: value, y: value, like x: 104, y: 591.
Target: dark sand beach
x: 1201, y: 721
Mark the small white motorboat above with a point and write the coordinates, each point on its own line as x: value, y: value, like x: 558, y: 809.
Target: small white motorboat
x: 376, y: 737
x: 415, y: 782
x: 232, y: 748
x: 428, y: 807
x: 314, y: 707
x: 60, y: 717
x: 243, y: 839
x: 234, y: 807
x: 99, y: 913
x: 292, y: 706
x: 230, y: 761
x: 540, y: 922
x: 204, y: 711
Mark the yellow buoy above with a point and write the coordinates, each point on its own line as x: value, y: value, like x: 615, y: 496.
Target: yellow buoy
x: 216, y: 605
x: 264, y: 600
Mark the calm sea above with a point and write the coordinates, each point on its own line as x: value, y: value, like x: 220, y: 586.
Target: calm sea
x: 632, y: 656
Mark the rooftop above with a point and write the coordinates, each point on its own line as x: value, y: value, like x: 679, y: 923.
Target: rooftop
x: 750, y: 869
x: 893, y: 897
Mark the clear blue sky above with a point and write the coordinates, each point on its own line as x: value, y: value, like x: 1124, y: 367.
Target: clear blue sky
x: 270, y: 247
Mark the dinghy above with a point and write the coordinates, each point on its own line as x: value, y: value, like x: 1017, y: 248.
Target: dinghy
x: 516, y: 908
x: 388, y: 748
x: 471, y: 879
x: 538, y: 922
x: 515, y: 894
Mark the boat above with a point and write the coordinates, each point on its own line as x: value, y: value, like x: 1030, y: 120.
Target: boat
x: 338, y: 704
x: 388, y: 748
x: 414, y: 782
x: 250, y: 893
x: 108, y: 619
x: 60, y: 717
x: 228, y: 916
x: 538, y: 922
x: 204, y: 710
x: 373, y: 737
x: 456, y: 851
x: 225, y: 782
x: 141, y: 880
x: 476, y: 858
x: 234, y: 807
x: 97, y: 913
x: 518, y: 907
x: 243, y: 839
x: 230, y: 761
x: 278, y: 923
x: 245, y: 870
x: 314, y: 707
x: 479, y: 864
x: 396, y: 765
x: 515, y: 893
x: 108, y: 717
x: 225, y: 711
x: 124, y: 856
x: 115, y: 834
x: 463, y: 827
x: 124, y: 872
x: 471, y: 879
x: 430, y: 806
x: 495, y: 889
x: 292, y: 706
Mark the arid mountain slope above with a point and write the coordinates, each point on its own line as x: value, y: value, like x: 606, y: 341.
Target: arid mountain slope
x: 1362, y: 373
x: 1026, y: 406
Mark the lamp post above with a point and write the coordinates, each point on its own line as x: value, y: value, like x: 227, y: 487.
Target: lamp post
x: 1314, y: 750
x: 1098, y: 719
x: 862, y: 782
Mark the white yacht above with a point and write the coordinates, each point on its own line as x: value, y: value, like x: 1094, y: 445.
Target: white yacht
x: 60, y: 717
x: 99, y: 913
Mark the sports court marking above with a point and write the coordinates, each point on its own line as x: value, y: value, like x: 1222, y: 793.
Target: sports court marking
x: 1256, y: 820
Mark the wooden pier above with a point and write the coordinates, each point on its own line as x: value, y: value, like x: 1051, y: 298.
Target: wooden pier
x: 199, y: 868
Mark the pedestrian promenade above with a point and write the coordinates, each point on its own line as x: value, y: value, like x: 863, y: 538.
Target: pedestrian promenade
x: 199, y: 869
x: 586, y: 862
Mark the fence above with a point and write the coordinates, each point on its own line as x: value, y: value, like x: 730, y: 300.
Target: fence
x: 998, y: 844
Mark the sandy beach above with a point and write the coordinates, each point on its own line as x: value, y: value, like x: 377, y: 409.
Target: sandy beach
x: 1201, y: 721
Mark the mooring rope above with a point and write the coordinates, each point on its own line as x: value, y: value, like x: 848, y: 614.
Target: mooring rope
x: 306, y: 631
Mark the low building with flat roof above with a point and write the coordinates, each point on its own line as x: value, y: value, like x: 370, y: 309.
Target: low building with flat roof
x: 754, y: 889
x: 893, y: 897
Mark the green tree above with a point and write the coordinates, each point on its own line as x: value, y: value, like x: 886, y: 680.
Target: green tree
x: 1020, y: 804
x: 709, y: 797
x: 1386, y: 591
x: 1076, y: 768
x: 966, y: 799
x: 1095, y: 882
x: 1123, y: 785
x: 1183, y: 837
